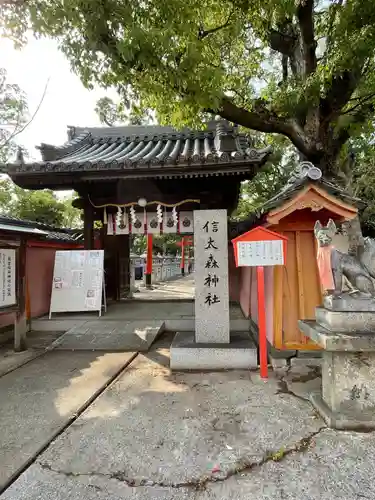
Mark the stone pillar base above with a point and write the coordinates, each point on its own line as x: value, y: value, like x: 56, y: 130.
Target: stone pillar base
x: 148, y: 280
x: 186, y: 354
x: 342, y: 421
x: 347, y: 399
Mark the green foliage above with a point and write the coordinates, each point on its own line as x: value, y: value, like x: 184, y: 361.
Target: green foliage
x: 357, y: 176
x: 271, y: 178
x: 39, y: 206
x: 13, y: 110
x: 185, y: 59
x: 111, y: 113
x: 163, y: 244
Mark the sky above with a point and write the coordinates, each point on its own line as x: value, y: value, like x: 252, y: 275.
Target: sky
x: 67, y: 102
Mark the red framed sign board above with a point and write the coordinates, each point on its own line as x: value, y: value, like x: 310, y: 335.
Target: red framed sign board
x: 258, y: 248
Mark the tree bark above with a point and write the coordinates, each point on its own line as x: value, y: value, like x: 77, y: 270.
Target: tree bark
x: 355, y: 236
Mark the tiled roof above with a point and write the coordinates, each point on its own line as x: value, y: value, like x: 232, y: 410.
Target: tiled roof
x: 147, y: 148
x: 305, y: 173
x: 44, y: 231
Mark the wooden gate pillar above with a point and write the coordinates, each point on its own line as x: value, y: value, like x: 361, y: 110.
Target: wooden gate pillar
x: 88, y: 225
x: 20, y: 323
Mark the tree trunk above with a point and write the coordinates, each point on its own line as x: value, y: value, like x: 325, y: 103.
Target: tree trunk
x: 356, y: 241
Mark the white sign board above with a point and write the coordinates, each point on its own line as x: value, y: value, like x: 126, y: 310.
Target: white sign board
x: 77, y: 281
x: 211, y: 276
x: 7, y: 277
x: 260, y: 253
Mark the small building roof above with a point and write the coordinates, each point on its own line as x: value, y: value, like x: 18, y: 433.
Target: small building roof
x: 42, y: 231
x: 146, y: 151
x: 305, y: 175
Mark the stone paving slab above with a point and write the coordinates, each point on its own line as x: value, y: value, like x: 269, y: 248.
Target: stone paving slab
x: 10, y: 360
x: 111, y: 335
x: 40, y: 484
x: 153, y: 429
x: 194, y: 436
x: 181, y: 288
x: 333, y: 465
x: 38, y: 398
x: 58, y: 323
x: 128, y: 310
x: 37, y: 343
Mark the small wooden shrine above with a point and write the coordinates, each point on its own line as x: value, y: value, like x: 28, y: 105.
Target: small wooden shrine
x: 142, y: 179
x: 293, y: 291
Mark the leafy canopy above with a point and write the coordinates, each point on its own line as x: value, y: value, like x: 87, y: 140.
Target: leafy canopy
x: 301, y: 68
x: 111, y: 113
x: 39, y: 206
x: 13, y: 111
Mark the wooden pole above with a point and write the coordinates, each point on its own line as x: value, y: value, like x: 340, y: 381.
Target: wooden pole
x: 28, y: 306
x: 183, y: 255
x: 88, y: 226
x: 20, y: 324
x: 149, y: 261
x: 263, y: 360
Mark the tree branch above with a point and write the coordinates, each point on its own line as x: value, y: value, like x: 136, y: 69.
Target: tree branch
x: 360, y: 116
x: 282, y: 42
x: 339, y: 93
x: 362, y: 101
x: 305, y: 15
x: 264, y: 121
x: 17, y: 132
x: 202, y: 33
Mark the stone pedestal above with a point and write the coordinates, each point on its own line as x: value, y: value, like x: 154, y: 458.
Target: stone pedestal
x: 347, y: 398
x: 187, y: 354
x: 212, y: 346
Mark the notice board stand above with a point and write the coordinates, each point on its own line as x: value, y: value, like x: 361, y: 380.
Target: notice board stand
x: 78, y: 282
x: 13, y: 287
x: 258, y: 248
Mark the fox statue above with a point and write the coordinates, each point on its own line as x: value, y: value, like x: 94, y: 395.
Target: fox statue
x: 334, y: 265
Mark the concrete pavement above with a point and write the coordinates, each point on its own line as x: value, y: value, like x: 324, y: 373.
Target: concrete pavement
x: 181, y: 288
x: 42, y: 396
x: 153, y: 434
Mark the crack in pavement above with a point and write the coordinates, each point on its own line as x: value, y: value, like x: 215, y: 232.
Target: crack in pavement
x: 284, y: 389
x: 241, y: 466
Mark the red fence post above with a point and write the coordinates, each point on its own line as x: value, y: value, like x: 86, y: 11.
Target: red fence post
x: 263, y: 361
x: 149, y: 261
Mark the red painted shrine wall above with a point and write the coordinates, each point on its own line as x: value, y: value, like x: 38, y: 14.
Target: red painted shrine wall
x: 39, y: 273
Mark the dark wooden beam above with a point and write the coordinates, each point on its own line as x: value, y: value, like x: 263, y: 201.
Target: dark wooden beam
x: 88, y: 226
x: 20, y: 324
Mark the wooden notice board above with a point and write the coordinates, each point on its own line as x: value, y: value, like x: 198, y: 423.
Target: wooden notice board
x: 77, y: 284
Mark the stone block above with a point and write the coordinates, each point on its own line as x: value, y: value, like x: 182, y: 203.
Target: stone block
x: 347, y: 399
x: 305, y: 361
x: 211, y: 276
x: 341, y: 421
x: 278, y: 363
x: 345, y: 321
x: 348, y: 382
x: 309, y: 354
x: 335, y: 341
x: 186, y: 354
x: 111, y: 335
x: 348, y: 303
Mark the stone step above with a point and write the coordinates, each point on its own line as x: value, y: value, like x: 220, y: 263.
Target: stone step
x: 171, y: 325
x: 188, y: 325
x: 186, y: 354
x: 121, y: 336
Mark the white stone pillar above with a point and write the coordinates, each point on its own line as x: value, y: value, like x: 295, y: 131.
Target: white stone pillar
x: 211, y: 278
